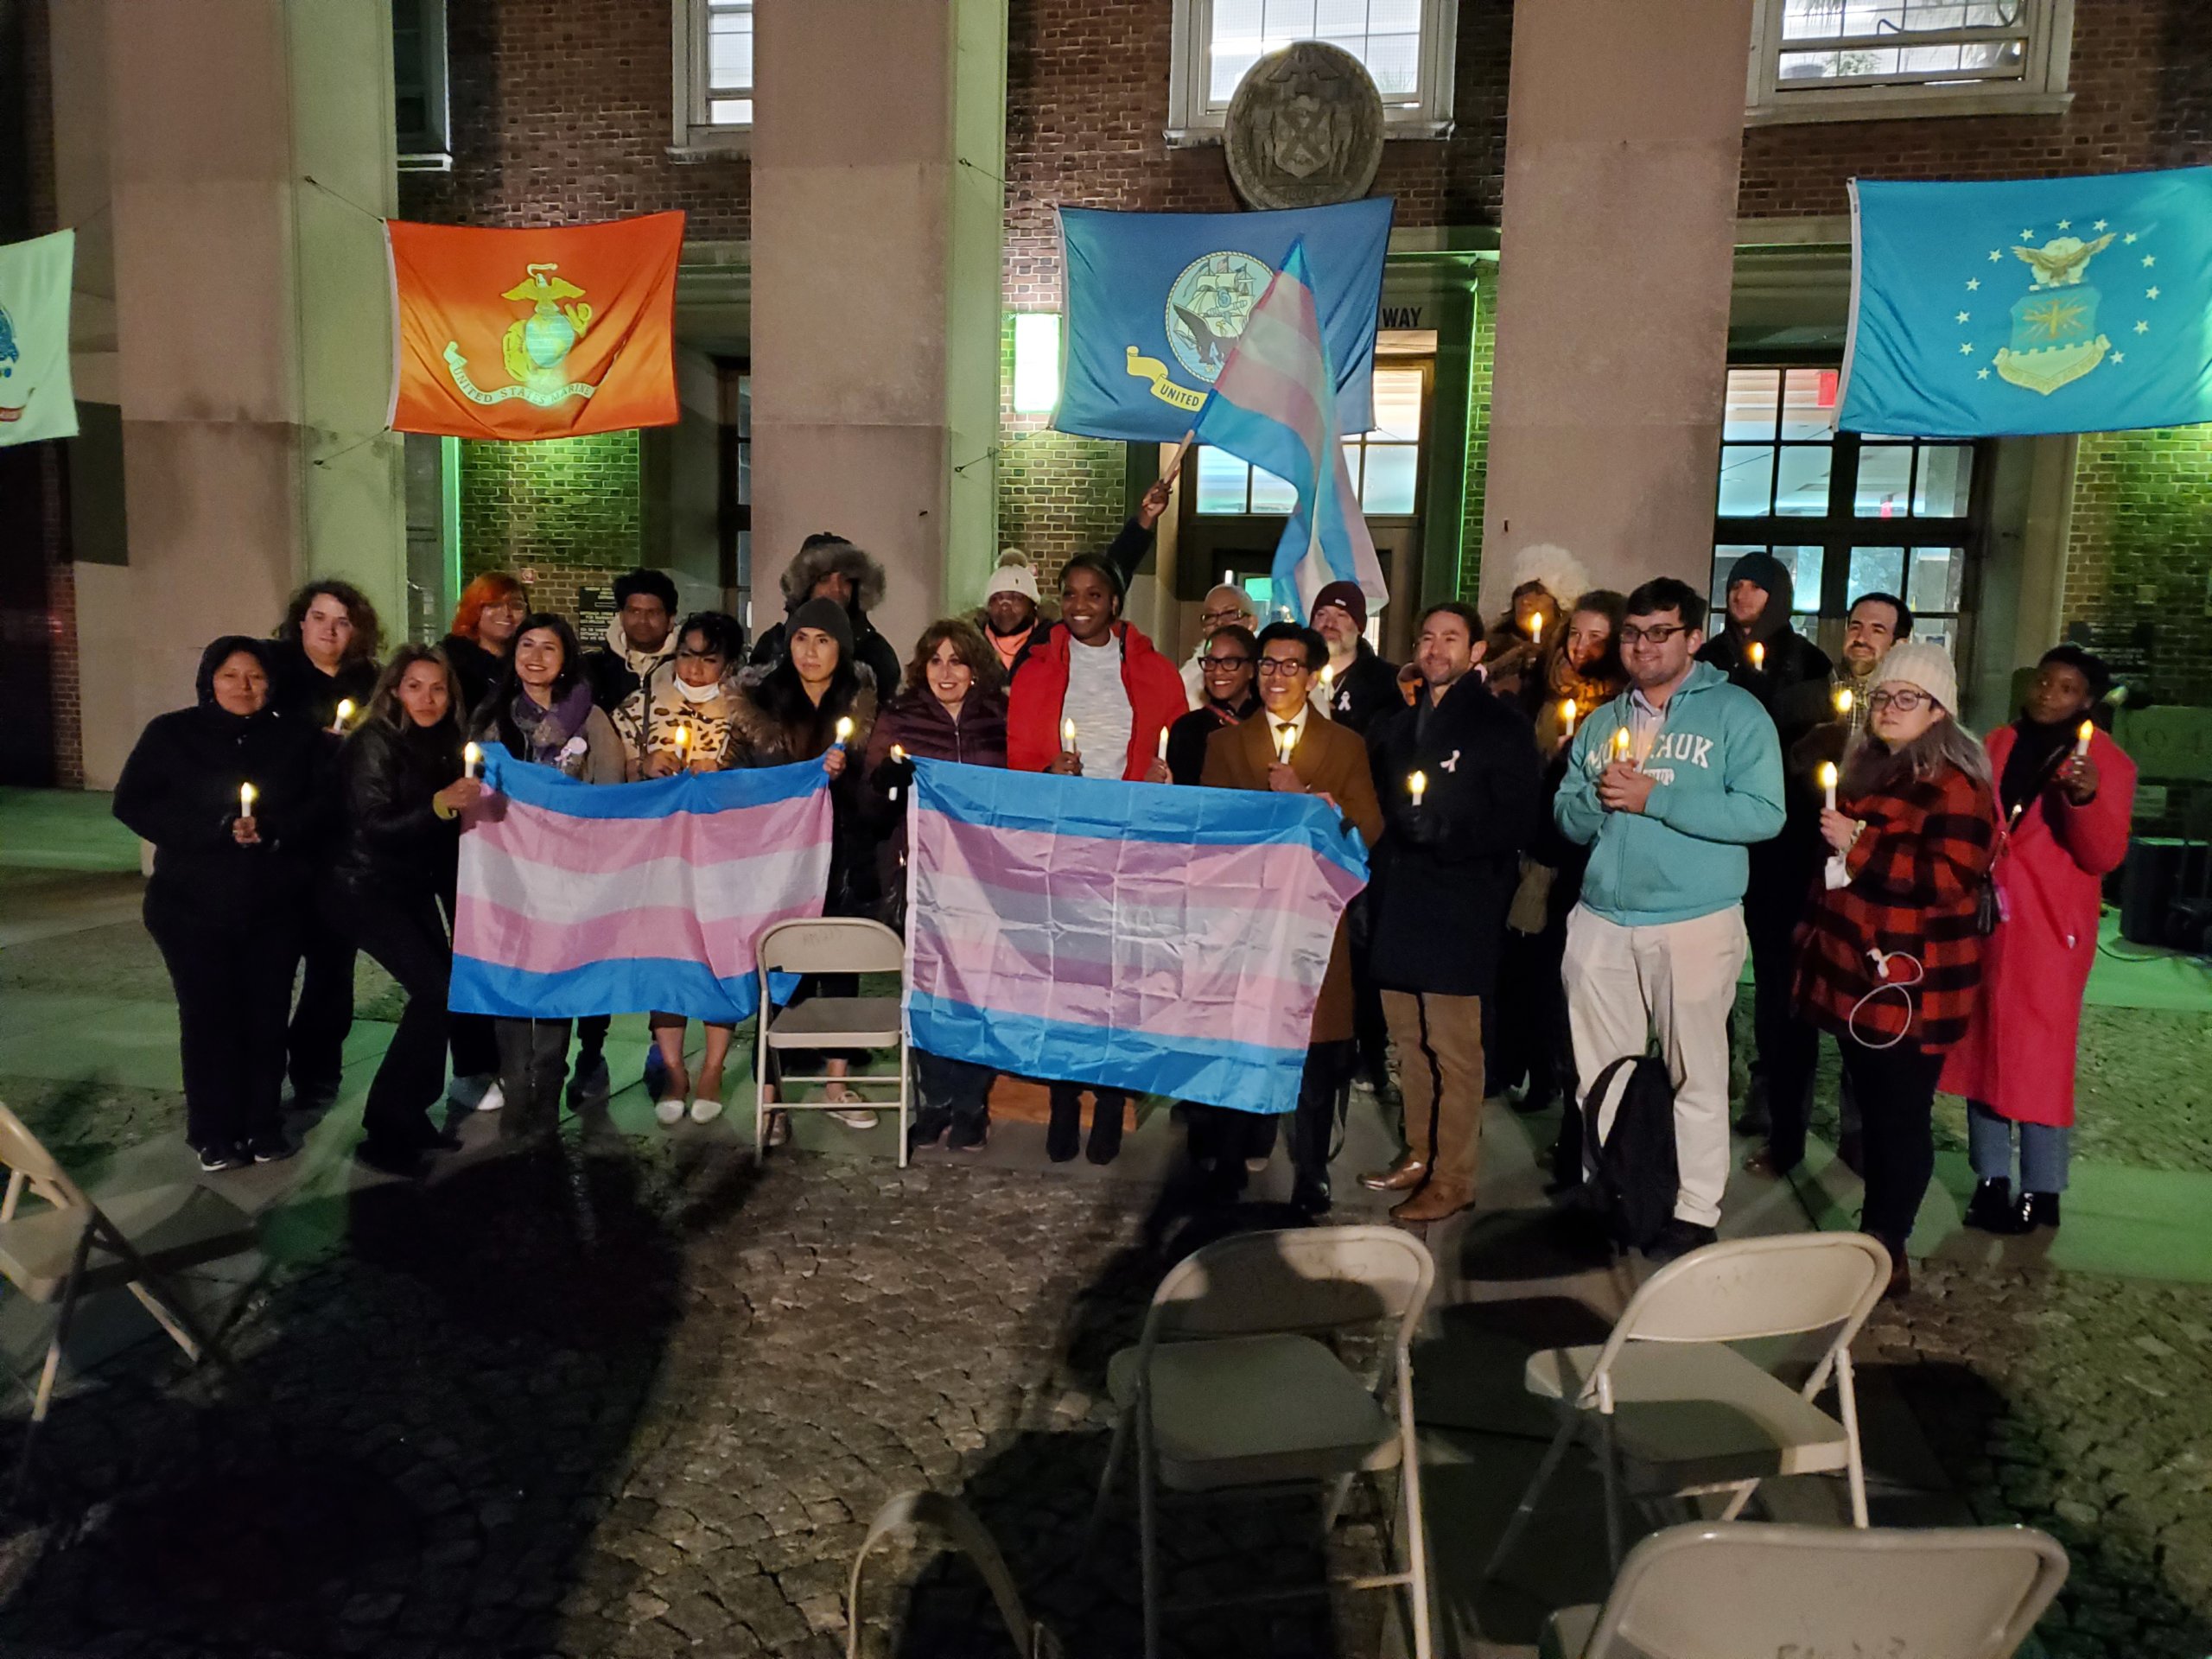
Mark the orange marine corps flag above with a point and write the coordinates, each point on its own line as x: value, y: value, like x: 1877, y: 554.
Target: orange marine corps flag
x: 522, y: 334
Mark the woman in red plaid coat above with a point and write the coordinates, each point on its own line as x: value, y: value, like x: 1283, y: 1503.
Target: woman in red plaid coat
x: 1890, y: 957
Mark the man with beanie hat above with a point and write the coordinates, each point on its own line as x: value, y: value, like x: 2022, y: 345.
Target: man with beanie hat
x: 641, y: 639
x: 1761, y: 654
x: 1012, y: 614
x: 1360, y: 686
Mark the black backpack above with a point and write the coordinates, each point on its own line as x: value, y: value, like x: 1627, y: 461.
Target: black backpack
x: 1632, y: 1176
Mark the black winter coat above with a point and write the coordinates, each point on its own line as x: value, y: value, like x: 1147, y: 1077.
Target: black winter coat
x: 476, y: 669
x: 180, y: 790
x: 392, y: 843
x: 1365, y: 692
x: 1187, y: 738
x: 1437, y: 908
x: 870, y: 649
x: 299, y: 690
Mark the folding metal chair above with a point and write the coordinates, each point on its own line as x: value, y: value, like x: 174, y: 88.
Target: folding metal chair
x: 1230, y: 1389
x: 76, y: 1247
x: 1733, y: 1591
x: 1669, y: 1395
x: 829, y: 944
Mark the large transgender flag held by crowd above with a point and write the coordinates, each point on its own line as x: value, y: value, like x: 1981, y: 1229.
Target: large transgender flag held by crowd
x: 1130, y: 935
x: 627, y: 898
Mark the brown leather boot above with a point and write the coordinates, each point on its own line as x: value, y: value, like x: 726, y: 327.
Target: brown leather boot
x: 1434, y: 1203
x: 1403, y: 1176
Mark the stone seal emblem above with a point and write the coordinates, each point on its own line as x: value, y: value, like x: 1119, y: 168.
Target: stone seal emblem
x: 1305, y: 129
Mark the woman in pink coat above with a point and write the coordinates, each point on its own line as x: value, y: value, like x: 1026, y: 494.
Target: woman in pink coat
x: 2066, y: 817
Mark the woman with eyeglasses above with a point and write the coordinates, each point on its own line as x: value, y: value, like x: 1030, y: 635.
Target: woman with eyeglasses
x: 2067, y: 792
x: 1891, y: 956
x: 1225, y: 670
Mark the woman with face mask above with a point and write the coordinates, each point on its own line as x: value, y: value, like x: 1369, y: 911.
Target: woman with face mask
x: 235, y: 800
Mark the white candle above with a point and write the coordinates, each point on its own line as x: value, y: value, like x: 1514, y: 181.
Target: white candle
x: 1163, y: 745
x: 1621, y: 740
x: 899, y: 754
x: 246, y: 795
x: 1328, y: 678
x: 472, y: 760
x: 1536, y: 628
x: 1567, y: 713
x: 1067, y: 735
x: 2082, y: 740
x: 1417, y: 786
x: 845, y: 729
x: 1827, y: 781
x: 1843, y: 700
x: 684, y: 744
x: 345, y: 713
x: 1757, y: 654
x: 1284, y: 741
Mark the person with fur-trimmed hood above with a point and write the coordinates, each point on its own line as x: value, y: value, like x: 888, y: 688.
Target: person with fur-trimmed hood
x: 829, y: 567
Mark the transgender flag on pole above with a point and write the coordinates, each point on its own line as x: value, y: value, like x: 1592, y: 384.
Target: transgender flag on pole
x: 1274, y: 404
x: 1129, y: 936
x: 626, y: 898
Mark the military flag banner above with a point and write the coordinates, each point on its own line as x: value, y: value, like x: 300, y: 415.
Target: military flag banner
x: 36, y: 399
x: 1155, y: 302
x: 2030, y: 306
x: 535, y: 333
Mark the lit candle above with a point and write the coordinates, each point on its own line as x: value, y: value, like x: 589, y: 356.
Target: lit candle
x: 898, y: 756
x: 1285, y: 740
x: 1417, y: 786
x: 1567, y: 713
x: 345, y: 713
x: 845, y: 729
x: 1843, y: 702
x: 1163, y: 745
x: 1621, y: 740
x: 1328, y: 678
x: 684, y: 744
x: 247, y: 796
x: 1827, y: 781
x: 1535, y: 626
x: 1067, y: 735
x: 1757, y: 654
x: 2082, y: 740
x: 472, y: 760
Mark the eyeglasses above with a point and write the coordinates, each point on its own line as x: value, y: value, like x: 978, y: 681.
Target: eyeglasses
x: 511, y: 607
x: 1903, y: 702
x: 1221, y: 616
x: 1281, y: 667
x: 1224, y: 662
x: 1632, y: 635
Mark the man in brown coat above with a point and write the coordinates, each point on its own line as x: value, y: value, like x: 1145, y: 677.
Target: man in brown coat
x: 1292, y: 748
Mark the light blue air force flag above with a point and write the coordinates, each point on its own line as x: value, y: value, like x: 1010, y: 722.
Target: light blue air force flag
x: 2039, y: 305
x: 1155, y: 301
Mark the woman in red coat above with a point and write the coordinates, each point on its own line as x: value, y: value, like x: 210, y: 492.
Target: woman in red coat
x: 2066, y: 817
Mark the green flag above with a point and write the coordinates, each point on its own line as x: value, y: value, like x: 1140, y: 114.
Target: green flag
x: 35, y: 399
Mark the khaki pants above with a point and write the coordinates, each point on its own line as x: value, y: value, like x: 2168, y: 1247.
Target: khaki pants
x: 1440, y: 1041
x: 1677, y: 980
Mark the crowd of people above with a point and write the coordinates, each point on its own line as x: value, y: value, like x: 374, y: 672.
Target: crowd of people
x: 1583, y: 818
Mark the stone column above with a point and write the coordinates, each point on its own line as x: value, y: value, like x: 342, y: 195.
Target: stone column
x: 1624, y: 142
x: 252, y: 325
x: 878, y: 220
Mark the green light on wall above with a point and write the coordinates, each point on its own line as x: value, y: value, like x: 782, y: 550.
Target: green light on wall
x: 1036, y: 362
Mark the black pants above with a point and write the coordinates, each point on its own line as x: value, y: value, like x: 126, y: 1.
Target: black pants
x: 233, y: 982
x: 1226, y: 1136
x: 474, y: 1040
x: 1065, y: 1127
x: 533, y: 1059
x: 591, y: 1039
x: 1320, y: 1103
x: 406, y: 937
x: 1897, y: 1090
x: 1787, y: 1047
x: 324, y: 1013
x: 960, y: 1089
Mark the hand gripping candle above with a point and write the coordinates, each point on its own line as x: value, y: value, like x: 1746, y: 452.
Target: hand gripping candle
x: 1827, y: 781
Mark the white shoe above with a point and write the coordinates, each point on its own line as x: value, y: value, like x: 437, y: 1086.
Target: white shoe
x: 778, y: 1130
x: 669, y: 1112
x: 705, y: 1109
x: 854, y: 1117
x: 492, y: 1098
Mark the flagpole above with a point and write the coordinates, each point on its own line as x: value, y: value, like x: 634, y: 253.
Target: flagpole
x: 1175, y: 461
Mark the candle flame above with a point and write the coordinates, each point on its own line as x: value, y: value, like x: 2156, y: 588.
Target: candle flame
x: 345, y: 709
x: 898, y: 751
x: 1067, y: 735
x: 1621, y: 740
x: 247, y: 795
x: 1566, y: 713
x: 1843, y: 699
x: 471, y: 758
x: 2088, y: 726
x: 1827, y: 774
x: 684, y: 737
x: 1535, y: 626
x: 1417, y: 786
x: 844, y: 726
x: 1757, y: 654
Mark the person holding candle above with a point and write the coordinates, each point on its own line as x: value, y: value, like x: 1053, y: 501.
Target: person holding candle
x: 1361, y: 686
x: 829, y: 567
x: 230, y: 886
x: 1890, y: 958
x: 389, y: 891
x: 791, y: 711
x: 951, y: 707
x: 2066, y: 806
x: 540, y: 709
x: 1669, y: 784
x: 491, y: 607
x: 1291, y: 748
x: 1443, y: 876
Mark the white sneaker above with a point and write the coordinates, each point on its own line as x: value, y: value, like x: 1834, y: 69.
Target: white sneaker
x: 778, y: 1130
x: 705, y: 1109
x: 854, y: 1117
x: 492, y: 1098
x: 669, y: 1112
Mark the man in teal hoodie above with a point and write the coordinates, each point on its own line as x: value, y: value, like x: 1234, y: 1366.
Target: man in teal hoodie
x: 1669, y: 784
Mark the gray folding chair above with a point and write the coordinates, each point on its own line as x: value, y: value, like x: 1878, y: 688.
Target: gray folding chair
x: 1690, y: 1413
x: 75, y: 1247
x: 1230, y: 1389
x: 1731, y: 1590
x: 829, y: 944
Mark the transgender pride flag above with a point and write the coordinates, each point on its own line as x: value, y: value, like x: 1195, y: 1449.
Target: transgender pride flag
x: 1132, y: 935
x: 1272, y: 404
x: 626, y: 898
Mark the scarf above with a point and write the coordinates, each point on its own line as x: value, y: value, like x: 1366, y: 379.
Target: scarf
x: 546, y: 732
x: 2037, y: 752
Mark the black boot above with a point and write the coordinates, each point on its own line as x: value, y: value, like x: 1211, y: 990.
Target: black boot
x: 1991, y: 1207
x: 1106, y: 1106
x: 1064, y: 1133
x: 2038, y: 1210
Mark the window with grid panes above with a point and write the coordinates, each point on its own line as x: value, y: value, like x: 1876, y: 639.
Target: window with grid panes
x: 1408, y: 47
x: 1856, y: 59
x: 1848, y: 514
x: 714, y: 73
x: 1384, y: 464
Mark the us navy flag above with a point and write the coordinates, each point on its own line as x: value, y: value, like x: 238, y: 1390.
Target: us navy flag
x: 2031, y: 306
x: 1155, y: 301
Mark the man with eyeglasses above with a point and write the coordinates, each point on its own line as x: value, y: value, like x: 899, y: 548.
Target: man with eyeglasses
x: 1222, y: 606
x: 1669, y: 784
x: 1292, y: 748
